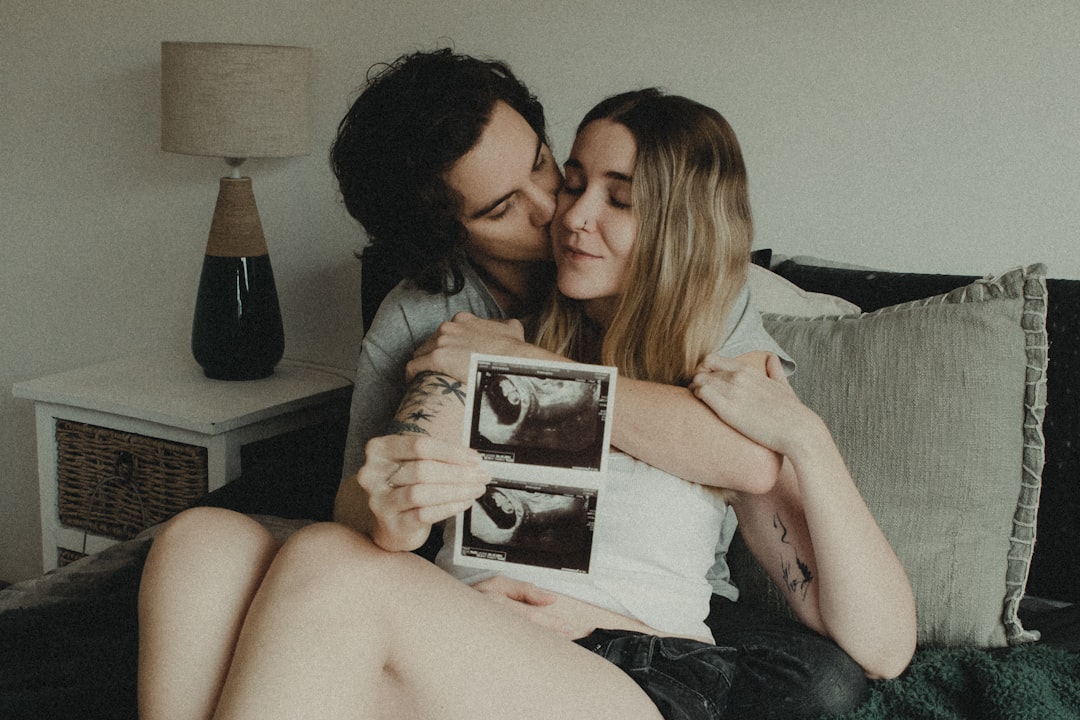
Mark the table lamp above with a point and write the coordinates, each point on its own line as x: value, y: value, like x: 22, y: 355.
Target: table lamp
x: 236, y: 102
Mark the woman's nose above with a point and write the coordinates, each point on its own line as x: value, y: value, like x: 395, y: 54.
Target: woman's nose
x: 576, y: 217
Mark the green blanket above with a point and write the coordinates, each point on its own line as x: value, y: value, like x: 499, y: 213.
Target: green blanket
x: 1029, y: 682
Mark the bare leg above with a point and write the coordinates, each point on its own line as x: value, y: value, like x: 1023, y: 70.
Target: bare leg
x: 341, y: 628
x: 202, y: 571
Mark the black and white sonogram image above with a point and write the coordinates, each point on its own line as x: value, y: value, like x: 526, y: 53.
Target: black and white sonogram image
x: 542, y: 525
x: 546, y: 415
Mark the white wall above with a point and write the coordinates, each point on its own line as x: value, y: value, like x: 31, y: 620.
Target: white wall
x: 915, y: 136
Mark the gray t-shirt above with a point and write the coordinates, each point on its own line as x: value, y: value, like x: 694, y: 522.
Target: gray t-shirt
x: 406, y: 318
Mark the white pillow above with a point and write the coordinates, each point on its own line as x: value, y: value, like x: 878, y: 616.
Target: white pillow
x: 770, y: 293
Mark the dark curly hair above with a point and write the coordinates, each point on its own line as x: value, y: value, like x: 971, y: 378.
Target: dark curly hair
x: 414, y: 119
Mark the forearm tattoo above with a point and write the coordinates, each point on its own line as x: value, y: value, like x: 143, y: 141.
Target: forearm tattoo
x: 796, y: 573
x: 426, y: 396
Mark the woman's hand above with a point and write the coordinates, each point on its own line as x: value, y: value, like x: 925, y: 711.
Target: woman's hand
x: 448, y: 350
x: 559, y: 613
x: 530, y: 602
x: 414, y: 481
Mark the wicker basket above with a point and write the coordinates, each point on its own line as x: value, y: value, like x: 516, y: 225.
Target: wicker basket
x: 118, y: 484
x: 66, y: 557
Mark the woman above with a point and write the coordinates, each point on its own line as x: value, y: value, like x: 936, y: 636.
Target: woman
x: 397, y: 637
x: 812, y: 532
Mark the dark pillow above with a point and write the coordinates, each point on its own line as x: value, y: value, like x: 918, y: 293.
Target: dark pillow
x: 869, y: 289
x: 377, y: 278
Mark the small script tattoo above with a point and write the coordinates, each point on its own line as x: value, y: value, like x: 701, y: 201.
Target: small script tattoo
x: 425, y: 397
x: 797, y: 576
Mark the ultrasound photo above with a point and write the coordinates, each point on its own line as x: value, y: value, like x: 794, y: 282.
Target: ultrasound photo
x: 540, y: 525
x: 547, y: 415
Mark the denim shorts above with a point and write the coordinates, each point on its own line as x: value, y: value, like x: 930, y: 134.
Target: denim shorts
x: 764, y: 666
x: 686, y: 679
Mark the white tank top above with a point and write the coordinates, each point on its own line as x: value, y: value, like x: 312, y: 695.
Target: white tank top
x: 655, y: 540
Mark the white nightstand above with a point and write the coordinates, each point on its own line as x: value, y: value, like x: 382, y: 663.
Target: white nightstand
x: 158, y: 434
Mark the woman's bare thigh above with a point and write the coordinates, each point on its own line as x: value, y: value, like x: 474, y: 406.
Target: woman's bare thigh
x: 456, y: 653
x: 376, y: 634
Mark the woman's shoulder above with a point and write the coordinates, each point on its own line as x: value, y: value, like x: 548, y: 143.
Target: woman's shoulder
x: 745, y: 332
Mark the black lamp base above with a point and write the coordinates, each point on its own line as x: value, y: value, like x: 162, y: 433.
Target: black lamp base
x: 237, y: 332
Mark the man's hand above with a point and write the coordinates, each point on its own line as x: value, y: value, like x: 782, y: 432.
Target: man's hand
x: 448, y: 350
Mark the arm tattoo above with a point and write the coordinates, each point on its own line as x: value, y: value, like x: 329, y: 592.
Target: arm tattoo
x: 797, y: 579
x: 778, y: 523
x: 427, y: 394
x: 448, y: 386
x: 401, y: 428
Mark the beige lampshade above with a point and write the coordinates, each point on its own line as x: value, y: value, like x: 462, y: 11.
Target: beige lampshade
x: 235, y: 101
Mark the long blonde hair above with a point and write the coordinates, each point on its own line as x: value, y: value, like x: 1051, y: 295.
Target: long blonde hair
x: 690, y: 259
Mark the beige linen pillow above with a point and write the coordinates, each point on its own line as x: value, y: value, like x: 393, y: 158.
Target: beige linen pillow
x: 771, y: 293
x: 937, y: 407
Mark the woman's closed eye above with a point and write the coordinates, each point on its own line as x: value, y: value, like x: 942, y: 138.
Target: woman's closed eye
x: 572, y: 190
x: 614, y: 199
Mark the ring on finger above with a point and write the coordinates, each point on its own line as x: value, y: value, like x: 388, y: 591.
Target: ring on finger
x: 390, y: 478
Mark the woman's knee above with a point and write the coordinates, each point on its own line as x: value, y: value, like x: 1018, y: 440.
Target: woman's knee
x: 326, y: 562
x: 326, y: 552
x: 214, y: 534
